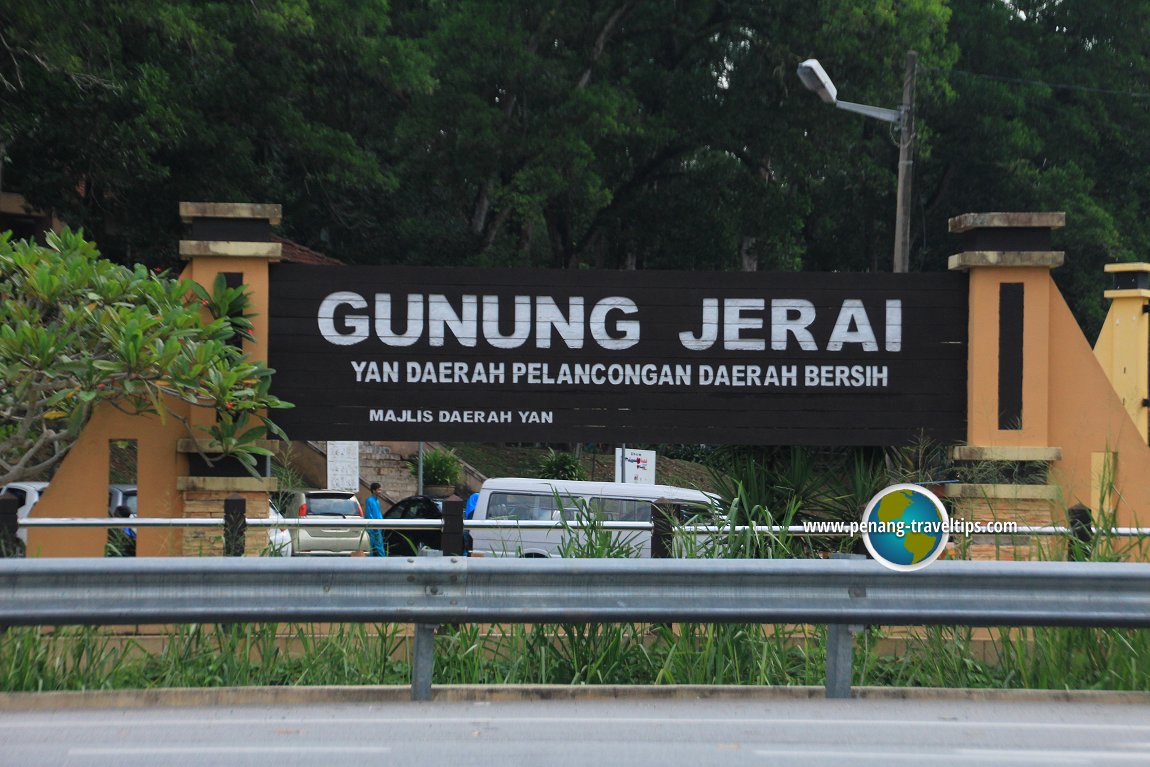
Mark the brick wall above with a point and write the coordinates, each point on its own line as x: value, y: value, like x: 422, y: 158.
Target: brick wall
x: 208, y: 541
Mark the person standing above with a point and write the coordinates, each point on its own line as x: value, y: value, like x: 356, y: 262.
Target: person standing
x: 468, y: 513
x: 372, y: 510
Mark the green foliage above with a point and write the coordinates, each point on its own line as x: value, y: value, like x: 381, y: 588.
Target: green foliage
x: 584, y: 534
x: 77, y: 331
x: 440, y: 467
x: 288, y: 480
x: 573, y: 134
x: 560, y: 465
x: 87, y: 658
x: 119, y: 544
x: 789, y: 486
x: 1048, y: 112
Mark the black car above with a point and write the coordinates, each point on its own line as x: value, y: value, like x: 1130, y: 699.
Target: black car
x: 402, y: 543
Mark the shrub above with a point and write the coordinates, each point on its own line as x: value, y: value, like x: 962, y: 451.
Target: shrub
x: 556, y: 465
x: 440, y: 467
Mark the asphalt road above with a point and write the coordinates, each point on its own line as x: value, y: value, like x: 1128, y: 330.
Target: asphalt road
x: 588, y: 733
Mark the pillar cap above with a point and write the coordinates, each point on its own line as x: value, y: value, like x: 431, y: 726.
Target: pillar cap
x: 968, y: 221
x: 1136, y: 266
x: 190, y: 210
x: 1051, y: 493
x: 272, y: 251
x: 1004, y: 453
x: 227, y: 484
x: 1045, y: 259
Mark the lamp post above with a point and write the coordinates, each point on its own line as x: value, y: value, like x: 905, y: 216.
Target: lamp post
x: 815, y: 78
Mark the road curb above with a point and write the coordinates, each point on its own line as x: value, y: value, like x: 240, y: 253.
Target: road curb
x: 185, y: 697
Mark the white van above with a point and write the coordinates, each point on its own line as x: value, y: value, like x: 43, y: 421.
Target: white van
x: 517, y: 500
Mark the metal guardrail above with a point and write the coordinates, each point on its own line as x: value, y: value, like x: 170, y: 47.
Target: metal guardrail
x: 493, y: 524
x: 432, y: 590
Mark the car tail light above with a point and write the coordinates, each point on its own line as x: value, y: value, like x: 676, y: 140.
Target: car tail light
x: 303, y: 509
x: 359, y: 507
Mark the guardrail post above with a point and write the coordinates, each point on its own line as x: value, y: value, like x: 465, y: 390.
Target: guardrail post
x: 423, y: 661
x: 11, y: 547
x: 235, y: 525
x: 840, y: 645
x: 840, y: 651
x: 662, y: 530
x: 451, y: 544
x: 423, y: 652
x: 1081, y: 533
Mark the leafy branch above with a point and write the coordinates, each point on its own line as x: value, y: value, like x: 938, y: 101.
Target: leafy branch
x: 77, y: 331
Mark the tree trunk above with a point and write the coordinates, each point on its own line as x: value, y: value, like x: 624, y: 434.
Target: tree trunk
x: 748, y: 261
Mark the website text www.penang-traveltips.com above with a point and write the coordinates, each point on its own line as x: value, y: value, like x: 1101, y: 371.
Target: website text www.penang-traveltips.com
x: 901, y: 527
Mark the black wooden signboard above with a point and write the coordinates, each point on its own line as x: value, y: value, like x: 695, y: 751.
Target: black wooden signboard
x: 609, y: 356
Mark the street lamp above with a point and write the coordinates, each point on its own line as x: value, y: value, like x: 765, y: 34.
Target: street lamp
x: 816, y: 79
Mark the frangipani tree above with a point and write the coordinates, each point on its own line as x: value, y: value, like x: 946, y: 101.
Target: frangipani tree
x: 77, y: 330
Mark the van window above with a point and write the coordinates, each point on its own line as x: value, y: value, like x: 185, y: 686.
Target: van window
x: 521, y: 506
x: 623, y: 509
x: 697, y: 515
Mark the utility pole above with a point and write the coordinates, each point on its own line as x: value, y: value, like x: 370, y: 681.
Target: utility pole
x: 905, y: 167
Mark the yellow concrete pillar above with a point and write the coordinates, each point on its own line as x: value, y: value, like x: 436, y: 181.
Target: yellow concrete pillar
x: 1123, y: 347
x: 233, y: 239
x: 1009, y: 260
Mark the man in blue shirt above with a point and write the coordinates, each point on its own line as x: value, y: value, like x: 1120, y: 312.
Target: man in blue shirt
x: 468, y: 513
x: 372, y: 510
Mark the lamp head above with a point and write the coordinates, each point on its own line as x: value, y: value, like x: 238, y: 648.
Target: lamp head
x: 813, y: 75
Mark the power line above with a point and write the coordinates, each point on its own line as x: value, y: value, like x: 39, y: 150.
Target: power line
x: 1055, y: 86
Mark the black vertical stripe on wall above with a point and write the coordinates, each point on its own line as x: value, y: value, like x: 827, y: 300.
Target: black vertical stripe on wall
x: 234, y: 280
x: 1011, y: 300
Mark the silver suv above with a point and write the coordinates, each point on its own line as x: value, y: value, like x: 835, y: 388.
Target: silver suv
x: 333, y: 505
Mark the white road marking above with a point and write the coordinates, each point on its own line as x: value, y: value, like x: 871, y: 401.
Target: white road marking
x: 999, y: 756
x: 221, y: 750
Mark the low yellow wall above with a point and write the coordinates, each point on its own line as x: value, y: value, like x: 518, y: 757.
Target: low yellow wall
x: 80, y: 486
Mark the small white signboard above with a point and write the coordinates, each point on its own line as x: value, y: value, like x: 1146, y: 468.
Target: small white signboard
x: 636, y: 467
x: 343, y: 466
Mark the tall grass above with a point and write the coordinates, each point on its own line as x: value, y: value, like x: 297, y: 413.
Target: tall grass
x: 234, y: 655
x: 729, y: 654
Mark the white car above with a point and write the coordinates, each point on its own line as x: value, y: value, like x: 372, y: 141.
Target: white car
x: 331, y: 506
x: 28, y: 493
x: 279, y: 538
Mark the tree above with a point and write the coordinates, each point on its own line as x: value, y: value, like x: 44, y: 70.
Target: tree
x: 505, y: 132
x: 659, y: 135
x: 113, y: 112
x: 1046, y: 110
x: 77, y: 330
